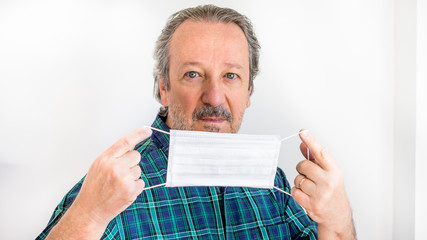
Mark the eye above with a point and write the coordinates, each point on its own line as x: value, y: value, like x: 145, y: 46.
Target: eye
x: 231, y: 75
x: 192, y: 74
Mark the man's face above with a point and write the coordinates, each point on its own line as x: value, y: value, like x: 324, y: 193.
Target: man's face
x: 209, y: 77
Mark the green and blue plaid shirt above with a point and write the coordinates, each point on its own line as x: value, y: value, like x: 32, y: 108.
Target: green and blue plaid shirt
x: 199, y: 212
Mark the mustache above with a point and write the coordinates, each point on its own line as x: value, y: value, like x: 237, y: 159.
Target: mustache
x: 209, y: 111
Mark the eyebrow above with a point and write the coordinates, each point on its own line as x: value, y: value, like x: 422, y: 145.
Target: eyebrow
x: 230, y: 65
x: 233, y: 65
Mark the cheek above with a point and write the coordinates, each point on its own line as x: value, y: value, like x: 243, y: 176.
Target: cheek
x: 238, y: 109
x: 185, y: 99
x: 239, y: 102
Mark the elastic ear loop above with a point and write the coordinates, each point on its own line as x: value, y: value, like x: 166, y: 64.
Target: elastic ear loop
x: 308, y: 157
x: 284, y: 139
x: 162, y: 184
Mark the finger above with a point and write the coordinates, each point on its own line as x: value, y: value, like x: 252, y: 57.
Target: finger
x: 137, y: 190
x: 128, y: 142
x: 135, y: 172
x: 321, y: 155
x: 303, y: 149
x: 299, y: 180
x: 305, y: 184
x: 302, y: 198
x: 139, y: 186
x: 310, y: 170
x: 130, y: 159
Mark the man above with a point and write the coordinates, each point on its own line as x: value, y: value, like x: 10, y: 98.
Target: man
x: 207, y: 59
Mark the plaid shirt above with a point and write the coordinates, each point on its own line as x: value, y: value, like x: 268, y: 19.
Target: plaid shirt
x: 199, y: 212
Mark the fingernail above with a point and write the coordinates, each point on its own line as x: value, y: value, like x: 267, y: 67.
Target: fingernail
x: 304, y: 133
x: 147, y: 130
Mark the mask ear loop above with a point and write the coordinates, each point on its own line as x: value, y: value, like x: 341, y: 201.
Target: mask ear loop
x: 158, y: 185
x: 293, y: 135
x: 159, y: 130
x: 283, y: 191
x: 162, y: 184
x: 308, y: 157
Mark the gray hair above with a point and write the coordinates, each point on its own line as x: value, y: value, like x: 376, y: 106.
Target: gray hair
x: 208, y: 13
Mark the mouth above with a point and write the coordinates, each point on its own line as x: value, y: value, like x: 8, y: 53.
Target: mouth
x: 212, y: 119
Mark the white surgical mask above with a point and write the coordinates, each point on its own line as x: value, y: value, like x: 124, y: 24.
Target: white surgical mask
x: 222, y: 159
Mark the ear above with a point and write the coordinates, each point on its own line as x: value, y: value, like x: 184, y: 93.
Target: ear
x: 162, y: 90
x: 248, y: 104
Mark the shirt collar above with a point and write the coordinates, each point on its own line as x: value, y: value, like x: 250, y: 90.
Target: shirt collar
x: 160, y: 139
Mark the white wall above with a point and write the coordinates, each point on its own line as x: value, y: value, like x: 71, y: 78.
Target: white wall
x: 404, y: 144
x: 76, y: 76
x: 421, y: 123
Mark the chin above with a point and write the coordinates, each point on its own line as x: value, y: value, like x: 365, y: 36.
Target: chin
x: 211, y: 128
x: 224, y: 127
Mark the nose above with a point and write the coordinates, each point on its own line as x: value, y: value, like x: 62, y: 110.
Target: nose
x: 213, y: 93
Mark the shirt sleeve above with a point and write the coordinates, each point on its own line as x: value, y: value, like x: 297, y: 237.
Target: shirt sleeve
x: 300, y: 224
x: 61, y: 209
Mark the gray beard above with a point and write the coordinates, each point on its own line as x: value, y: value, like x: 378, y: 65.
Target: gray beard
x: 177, y: 118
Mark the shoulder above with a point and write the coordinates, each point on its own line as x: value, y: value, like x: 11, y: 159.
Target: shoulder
x: 70, y: 197
x: 153, y: 161
x: 145, y: 145
x: 149, y: 150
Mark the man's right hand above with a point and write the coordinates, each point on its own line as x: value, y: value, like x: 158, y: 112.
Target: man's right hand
x: 111, y: 185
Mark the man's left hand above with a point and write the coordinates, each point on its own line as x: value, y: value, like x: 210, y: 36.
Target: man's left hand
x: 320, y: 190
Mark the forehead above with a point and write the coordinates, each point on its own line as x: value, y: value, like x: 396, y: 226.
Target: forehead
x: 202, y: 41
